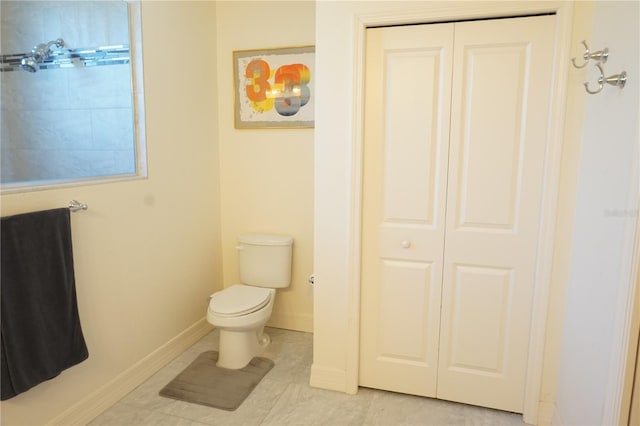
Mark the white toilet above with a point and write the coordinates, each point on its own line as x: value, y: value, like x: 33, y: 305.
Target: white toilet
x: 242, y: 310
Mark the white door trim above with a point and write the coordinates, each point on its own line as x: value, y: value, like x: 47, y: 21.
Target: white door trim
x: 438, y: 12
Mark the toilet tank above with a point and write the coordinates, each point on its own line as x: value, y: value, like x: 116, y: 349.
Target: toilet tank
x: 265, y: 260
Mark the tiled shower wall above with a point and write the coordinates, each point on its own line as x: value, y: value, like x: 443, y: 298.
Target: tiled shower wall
x: 65, y: 123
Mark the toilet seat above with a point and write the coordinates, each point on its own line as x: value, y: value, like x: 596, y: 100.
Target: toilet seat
x: 239, y: 300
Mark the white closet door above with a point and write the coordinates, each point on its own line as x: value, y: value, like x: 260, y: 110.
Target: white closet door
x: 499, y: 125
x: 408, y: 91
x: 449, y: 243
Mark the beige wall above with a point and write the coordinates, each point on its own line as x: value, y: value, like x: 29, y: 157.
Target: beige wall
x: 147, y: 252
x: 266, y: 175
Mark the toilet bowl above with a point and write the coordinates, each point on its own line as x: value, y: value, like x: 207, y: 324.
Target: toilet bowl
x: 242, y: 310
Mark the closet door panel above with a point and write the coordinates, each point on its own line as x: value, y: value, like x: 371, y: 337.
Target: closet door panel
x: 480, y: 318
x: 408, y: 84
x: 499, y: 116
x: 488, y: 193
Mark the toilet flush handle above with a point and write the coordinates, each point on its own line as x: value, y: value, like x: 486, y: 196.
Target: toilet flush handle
x: 405, y: 244
x: 240, y: 247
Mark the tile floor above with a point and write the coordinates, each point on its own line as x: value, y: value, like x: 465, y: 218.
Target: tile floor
x: 284, y: 397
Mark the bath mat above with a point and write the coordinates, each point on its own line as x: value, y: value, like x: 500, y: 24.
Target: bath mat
x: 205, y: 384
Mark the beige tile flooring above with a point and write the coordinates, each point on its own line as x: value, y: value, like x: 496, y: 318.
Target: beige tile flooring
x: 284, y: 397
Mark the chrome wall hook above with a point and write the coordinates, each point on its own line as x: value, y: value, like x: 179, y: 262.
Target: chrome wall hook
x: 600, y: 56
x: 618, y: 80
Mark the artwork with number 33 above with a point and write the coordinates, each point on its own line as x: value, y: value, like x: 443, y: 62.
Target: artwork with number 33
x: 274, y: 87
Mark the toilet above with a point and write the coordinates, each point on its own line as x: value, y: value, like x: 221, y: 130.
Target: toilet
x: 241, y: 310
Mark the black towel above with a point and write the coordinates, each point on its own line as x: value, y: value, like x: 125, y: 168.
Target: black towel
x: 40, y: 328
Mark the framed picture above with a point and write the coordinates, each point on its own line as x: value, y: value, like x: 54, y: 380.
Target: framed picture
x: 274, y: 88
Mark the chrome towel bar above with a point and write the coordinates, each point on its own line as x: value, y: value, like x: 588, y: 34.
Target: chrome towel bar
x: 75, y: 205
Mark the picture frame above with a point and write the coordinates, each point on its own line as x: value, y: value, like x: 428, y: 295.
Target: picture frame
x: 274, y: 88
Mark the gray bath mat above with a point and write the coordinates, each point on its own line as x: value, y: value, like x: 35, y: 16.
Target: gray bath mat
x: 205, y: 384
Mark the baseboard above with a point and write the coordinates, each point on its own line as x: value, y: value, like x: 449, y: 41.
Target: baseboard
x: 297, y: 322
x: 557, y: 419
x: 94, y: 404
x: 328, y: 378
x: 545, y: 413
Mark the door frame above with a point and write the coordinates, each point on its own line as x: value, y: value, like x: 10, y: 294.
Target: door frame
x: 454, y: 11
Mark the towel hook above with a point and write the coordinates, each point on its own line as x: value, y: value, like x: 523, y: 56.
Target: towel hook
x: 614, y: 80
x: 600, y: 55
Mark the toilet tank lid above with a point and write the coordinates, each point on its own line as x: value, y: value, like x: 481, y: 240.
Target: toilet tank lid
x: 266, y: 239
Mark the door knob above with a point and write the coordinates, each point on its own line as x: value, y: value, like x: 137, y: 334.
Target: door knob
x: 405, y: 243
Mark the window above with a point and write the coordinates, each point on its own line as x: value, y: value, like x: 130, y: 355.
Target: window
x: 72, y: 104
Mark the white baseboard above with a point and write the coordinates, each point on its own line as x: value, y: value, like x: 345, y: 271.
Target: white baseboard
x: 545, y: 413
x: 328, y: 378
x: 94, y: 404
x: 296, y: 322
x: 557, y: 419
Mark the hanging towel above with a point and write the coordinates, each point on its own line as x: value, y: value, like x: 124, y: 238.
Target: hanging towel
x: 40, y: 328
